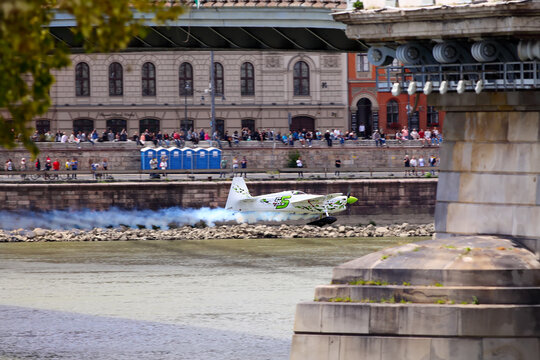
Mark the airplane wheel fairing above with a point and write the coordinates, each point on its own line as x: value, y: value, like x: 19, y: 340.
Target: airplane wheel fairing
x: 323, y: 221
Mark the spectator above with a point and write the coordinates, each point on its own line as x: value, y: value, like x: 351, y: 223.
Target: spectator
x: 300, y: 166
x: 377, y: 137
x: 405, y: 133
x: 243, y: 165
x: 56, y: 167
x: 236, y: 138
x: 407, y: 163
x: 421, y: 164
x: 37, y: 165
x: 64, y: 138
x: 123, y: 135
x: 328, y: 138
x: 105, y: 164
x: 427, y: 136
x: 432, y: 163
x: 414, y: 164
x: 48, y: 164
x: 95, y: 167
x: 338, y: 166
x: 399, y: 138
x: 8, y: 166
x: 436, y: 137
x: 215, y: 137
x: 163, y: 164
x: 154, y: 166
x: 23, y: 167
x: 110, y: 135
x: 414, y: 135
x: 74, y: 167
x: 235, y: 166
x: 309, y: 138
x: 383, y: 138
x: 223, y: 166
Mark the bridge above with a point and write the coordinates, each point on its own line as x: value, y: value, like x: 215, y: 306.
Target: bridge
x: 296, y: 25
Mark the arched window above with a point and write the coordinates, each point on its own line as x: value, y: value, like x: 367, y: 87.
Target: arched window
x: 148, y: 79
x: 82, y: 79
x: 185, y: 79
x: 301, y: 79
x: 247, y: 80
x: 392, y: 112
x: 186, y: 124
x: 116, y: 80
x: 151, y: 124
x: 116, y: 125
x: 83, y: 125
x: 249, y: 123
x: 220, y: 126
x: 42, y: 126
x: 218, y: 79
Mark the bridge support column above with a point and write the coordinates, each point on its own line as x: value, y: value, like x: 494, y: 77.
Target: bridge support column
x: 473, y: 292
x: 490, y: 166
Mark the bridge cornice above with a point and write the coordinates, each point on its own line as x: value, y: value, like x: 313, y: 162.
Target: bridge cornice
x: 516, y: 18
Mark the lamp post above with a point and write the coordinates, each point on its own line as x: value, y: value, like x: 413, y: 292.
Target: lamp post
x: 187, y: 87
x: 212, y: 94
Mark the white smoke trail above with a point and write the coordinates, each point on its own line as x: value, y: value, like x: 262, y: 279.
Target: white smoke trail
x: 114, y: 217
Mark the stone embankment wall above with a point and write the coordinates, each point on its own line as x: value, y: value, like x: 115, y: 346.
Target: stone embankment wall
x: 405, y: 196
x: 126, y: 156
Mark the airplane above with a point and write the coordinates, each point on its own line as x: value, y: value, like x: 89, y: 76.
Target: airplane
x: 291, y: 201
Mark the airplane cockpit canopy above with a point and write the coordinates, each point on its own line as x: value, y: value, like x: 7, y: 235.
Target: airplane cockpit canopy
x: 298, y: 192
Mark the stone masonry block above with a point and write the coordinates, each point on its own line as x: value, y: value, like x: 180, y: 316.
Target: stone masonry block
x: 360, y: 348
x: 315, y: 347
x: 405, y: 349
x: 512, y: 157
x: 349, y: 318
x: 308, y: 317
x: 448, y: 188
x: 462, y: 156
x: 428, y: 320
x: 523, y: 126
x: 500, y: 321
x: 495, y: 188
x: 525, y: 221
x: 479, y: 219
x: 384, y: 319
x: 456, y: 348
x: 509, y: 349
x: 486, y: 126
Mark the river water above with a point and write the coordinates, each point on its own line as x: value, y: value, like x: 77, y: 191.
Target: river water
x: 196, y: 300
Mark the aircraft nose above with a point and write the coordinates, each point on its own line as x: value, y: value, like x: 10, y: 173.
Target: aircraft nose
x: 351, y: 200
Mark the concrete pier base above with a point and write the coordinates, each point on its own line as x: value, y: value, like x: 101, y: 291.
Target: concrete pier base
x: 474, y: 291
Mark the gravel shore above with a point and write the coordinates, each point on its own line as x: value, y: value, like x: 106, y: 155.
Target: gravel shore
x: 200, y: 231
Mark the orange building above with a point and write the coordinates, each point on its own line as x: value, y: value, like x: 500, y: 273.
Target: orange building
x: 370, y: 110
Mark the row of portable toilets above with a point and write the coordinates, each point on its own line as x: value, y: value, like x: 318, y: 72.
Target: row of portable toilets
x: 182, y: 159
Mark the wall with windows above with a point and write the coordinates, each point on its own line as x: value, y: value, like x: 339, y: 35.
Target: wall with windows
x: 373, y: 110
x: 168, y: 91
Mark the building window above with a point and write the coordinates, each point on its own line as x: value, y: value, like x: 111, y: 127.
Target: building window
x: 152, y: 125
x: 301, y: 79
x: 432, y: 116
x: 220, y: 127
x: 148, y: 79
x: 116, y: 125
x: 185, y: 79
x: 186, y: 125
x: 248, y: 124
x: 392, y: 113
x: 362, y: 63
x: 83, y: 125
x: 82, y: 79
x: 247, y: 80
x: 116, y: 80
x: 43, y: 126
x: 218, y: 79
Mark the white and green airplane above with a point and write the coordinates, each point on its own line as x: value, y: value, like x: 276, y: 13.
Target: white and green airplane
x: 291, y: 201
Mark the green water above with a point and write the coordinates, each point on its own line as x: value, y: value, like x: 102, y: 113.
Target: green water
x: 208, y: 299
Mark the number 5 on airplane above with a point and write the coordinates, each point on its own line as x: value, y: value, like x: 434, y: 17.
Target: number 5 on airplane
x: 291, y: 201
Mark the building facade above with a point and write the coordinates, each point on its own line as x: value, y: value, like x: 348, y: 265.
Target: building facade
x: 169, y: 91
x: 370, y: 110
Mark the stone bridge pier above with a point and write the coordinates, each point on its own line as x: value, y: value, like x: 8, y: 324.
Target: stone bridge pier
x: 472, y: 292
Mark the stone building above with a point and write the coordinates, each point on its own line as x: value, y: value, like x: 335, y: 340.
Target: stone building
x: 167, y: 91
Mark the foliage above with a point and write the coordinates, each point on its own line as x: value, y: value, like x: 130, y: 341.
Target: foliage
x: 358, y: 5
x: 291, y: 158
x: 28, y: 52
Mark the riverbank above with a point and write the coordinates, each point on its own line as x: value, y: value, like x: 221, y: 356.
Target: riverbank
x: 200, y: 232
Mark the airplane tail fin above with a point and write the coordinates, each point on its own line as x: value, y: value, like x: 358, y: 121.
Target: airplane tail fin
x: 238, y: 191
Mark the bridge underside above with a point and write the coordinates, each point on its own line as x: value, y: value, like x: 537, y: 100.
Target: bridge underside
x: 294, y: 29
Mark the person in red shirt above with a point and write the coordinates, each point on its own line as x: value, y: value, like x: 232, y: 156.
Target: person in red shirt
x: 56, y: 165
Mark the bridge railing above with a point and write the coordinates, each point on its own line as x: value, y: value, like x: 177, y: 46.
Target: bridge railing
x: 495, y: 76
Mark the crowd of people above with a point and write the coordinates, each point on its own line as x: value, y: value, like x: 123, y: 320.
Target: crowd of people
x: 416, y: 166
x: 180, y: 138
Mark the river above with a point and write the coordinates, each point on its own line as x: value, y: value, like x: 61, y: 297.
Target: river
x: 196, y: 300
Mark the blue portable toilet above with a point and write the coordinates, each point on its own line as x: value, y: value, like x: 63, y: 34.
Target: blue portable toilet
x: 147, y: 154
x: 162, y: 153
x: 201, y: 155
x: 214, y: 158
x: 175, y: 158
x: 188, y: 160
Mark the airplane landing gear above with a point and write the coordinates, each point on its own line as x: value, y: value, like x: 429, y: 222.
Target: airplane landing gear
x: 323, y: 221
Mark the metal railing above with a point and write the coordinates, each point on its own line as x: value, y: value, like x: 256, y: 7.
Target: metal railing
x: 498, y: 76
